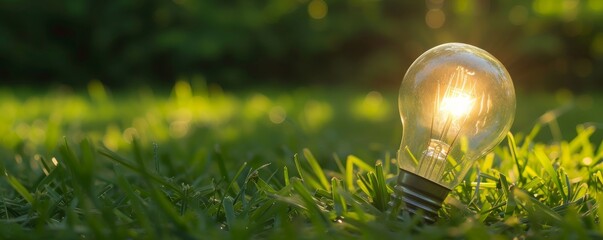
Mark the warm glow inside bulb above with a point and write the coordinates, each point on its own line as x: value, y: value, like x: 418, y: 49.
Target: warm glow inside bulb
x: 457, y: 105
x: 456, y: 102
x: 458, y: 98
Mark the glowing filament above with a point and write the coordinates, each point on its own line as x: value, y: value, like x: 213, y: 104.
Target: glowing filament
x: 452, y: 109
x: 458, y: 98
x: 458, y: 104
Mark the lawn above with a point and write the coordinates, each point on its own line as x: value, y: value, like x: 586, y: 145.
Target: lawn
x: 200, y: 162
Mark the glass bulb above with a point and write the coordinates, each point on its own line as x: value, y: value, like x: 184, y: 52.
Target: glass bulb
x: 456, y: 103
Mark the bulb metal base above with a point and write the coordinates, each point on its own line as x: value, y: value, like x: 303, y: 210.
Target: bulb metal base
x: 419, y: 194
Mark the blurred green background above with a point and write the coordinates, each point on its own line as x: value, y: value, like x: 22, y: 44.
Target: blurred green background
x: 271, y: 77
x: 545, y: 44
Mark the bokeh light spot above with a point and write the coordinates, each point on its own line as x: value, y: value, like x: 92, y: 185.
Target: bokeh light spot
x: 587, y: 161
x: 130, y: 134
x: 464, y: 6
x: 318, y: 9
x: 435, y: 18
x: 595, y: 5
x: 256, y: 106
x: 277, y: 115
x: 22, y: 130
x: 179, y: 128
x: 372, y: 107
x: 570, y: 9
x: 316, y: 114
x: 544, y: 7
x: 111, y: 138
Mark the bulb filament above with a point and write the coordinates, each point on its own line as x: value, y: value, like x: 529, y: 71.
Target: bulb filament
x: 449, y: 115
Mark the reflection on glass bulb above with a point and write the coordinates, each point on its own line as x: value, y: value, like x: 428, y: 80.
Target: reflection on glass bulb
x: 456, y: 103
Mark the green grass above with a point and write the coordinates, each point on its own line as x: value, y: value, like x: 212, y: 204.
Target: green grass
x: 201, y: 163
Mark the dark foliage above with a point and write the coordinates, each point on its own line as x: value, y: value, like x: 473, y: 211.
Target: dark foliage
x: 548, y: 44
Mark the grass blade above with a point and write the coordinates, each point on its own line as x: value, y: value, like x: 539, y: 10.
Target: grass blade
x: 339, y: 204
x: 14, y: 182
x: 316, y: 215
x: 381, y: 197
x: 513, y: 147
x: 352, y: 161
x: 548, y: 167
x: 317, y: 169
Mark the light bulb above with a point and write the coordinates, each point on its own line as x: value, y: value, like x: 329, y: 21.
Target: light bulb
x: 456, y: 102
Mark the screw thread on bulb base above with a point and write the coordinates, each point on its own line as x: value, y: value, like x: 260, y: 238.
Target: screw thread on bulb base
x: 418, y: 194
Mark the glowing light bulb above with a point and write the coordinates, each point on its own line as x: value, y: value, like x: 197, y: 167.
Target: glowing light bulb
x: 456, y: 102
